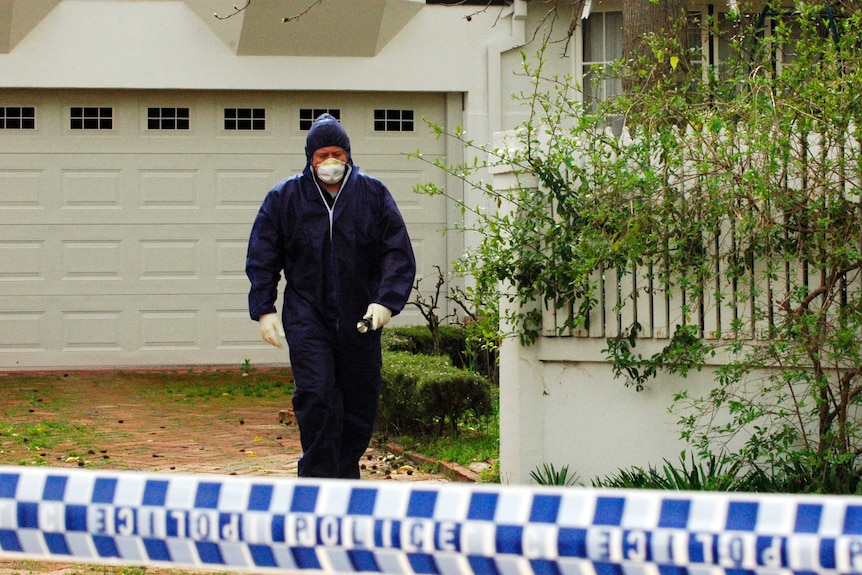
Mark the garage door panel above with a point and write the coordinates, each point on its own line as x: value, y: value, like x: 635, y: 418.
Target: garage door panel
x: 92, y: 260
x: 415, y: 207
x: 112, y: 331
x: 169, y: 261
x: 30, y: 262
x: 429, y: 245
x: 22, y: 261
x: 243, y: 188
x: 398, y: 136
x: 235, y: 329
x: 92, y: 330
x: 400, y: 144
x: 159, y: 189
x: 402, y: 176
x: 22, y: 332
x: 94, y: 189
x: 21, y: 189
x: 129, y: 259
x: 170, y: 189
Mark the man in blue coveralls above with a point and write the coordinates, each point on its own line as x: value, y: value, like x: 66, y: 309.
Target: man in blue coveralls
x: 342, y: 244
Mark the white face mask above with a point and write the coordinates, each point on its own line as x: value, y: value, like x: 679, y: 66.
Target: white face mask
x: 331, y: 171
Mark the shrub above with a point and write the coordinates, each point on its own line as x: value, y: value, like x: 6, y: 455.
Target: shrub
x: 719, y: 474
x: 711, y: 475
x: 418, y: 339
x: 549, y: 475
x: 422, y: 393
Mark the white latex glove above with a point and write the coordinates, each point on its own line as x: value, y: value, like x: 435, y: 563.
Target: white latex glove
x: 271, y: 329
x: 378, y: 315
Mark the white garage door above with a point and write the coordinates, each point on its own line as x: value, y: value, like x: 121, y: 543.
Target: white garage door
x: 124, y: 216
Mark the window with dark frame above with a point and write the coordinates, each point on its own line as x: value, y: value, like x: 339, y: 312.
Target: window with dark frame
x: 91, y: 118
x: 244, y: 119
x: 168, y: 119
x: 390, y: 120
x: 308, y: 115
x: 17, y: 118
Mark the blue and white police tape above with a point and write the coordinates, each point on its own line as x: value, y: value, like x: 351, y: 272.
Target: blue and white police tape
x: 265, y: 524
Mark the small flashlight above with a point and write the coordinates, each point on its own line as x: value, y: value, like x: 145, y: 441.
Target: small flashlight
x: 363, y: 325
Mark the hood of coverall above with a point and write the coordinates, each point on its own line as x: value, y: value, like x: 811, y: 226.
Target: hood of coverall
x: 326, y: 131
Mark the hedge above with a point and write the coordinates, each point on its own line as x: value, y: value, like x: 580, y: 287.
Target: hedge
x: 424, y: 393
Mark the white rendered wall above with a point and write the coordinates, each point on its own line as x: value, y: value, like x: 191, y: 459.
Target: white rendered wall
x: 558, y: 407
x: 164, y: 44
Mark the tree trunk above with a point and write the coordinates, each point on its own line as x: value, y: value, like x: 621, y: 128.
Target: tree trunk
x: 665, y: 19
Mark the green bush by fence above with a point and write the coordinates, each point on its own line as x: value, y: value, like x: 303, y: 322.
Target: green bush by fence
x: 425, y: 393
x: 418, y: 339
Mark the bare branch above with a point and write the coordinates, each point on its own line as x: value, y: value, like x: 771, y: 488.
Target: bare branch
x: 236, y: 10
x: 303, y: 13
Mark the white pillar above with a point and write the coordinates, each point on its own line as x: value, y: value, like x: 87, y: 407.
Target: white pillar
x: 521, y: 382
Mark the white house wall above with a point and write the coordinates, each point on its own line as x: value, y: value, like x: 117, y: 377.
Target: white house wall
x: 163, y: 44
x: 559, y: 401
x: 562, y: 405
x: 562, y: 56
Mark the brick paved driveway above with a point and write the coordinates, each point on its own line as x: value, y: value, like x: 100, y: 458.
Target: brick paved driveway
x: 167, y: 423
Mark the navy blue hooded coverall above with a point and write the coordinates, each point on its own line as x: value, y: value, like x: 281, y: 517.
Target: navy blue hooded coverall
x: 336, y: 261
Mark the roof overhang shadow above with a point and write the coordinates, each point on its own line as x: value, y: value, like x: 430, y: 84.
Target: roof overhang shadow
x: 330, y: 28
x: 18, y: 17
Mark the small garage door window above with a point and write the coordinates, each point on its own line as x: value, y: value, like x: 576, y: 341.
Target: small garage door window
x: 91, y: 118
x: 308, y: 115
x: 168, y: 119
x: 17, y: 118
x: 393, y: 120
x: 242, y: 119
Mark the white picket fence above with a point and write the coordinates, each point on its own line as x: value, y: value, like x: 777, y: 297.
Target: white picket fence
x: 720, y: 304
